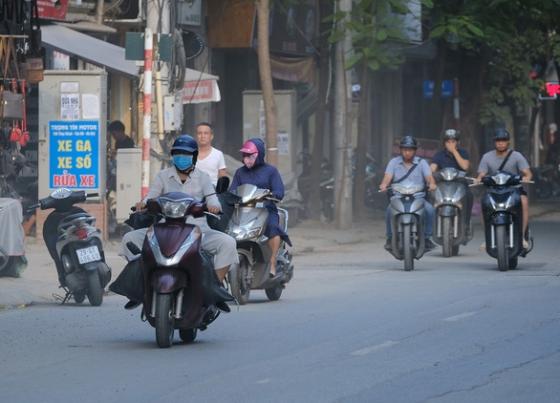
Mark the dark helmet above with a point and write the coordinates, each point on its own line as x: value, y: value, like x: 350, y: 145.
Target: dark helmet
x: 186, y: 144
x: 408, y: 142
x: 501, y: 134
x: 451, y: 134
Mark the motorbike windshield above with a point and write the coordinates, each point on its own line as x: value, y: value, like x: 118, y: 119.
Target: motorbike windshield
x: 449, y: 174
x: 407, y: 188
x: 249, y: 192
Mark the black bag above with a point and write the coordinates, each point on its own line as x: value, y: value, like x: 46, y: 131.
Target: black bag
x: 228, y: 201
x: 138, y: 220
x: 130, y: 282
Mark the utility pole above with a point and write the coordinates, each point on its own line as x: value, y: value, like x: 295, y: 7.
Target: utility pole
x: 343, y: 124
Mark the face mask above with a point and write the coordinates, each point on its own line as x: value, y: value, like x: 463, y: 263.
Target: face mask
x: 182, y: 162
x: 249, y: 160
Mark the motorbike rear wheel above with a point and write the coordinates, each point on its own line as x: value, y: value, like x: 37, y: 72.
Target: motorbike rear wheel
x: 238, y: 280
x: 447, y: 236
x: 187, y: 335
x: 407, y: 248
x: 94, y: 291
x: 164, y: 321
x: 501, y: 239
x: 513, y: 263
x: 274, y: 293
x: 79, y: 297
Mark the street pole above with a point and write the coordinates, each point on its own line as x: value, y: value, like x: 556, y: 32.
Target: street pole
x: 147, y: 103
x: 343, y: 125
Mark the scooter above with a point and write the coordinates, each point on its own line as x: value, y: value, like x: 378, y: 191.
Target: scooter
x: 247, y: 225
x: 503, y: 219
x: 75, y: 245
x: 179, y: 281
x: 407, y: 223
x: 451, y: 200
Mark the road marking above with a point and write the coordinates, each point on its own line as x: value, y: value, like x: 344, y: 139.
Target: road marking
x: 373, y: 349
x: 460, y: 316
x: 263, y: 381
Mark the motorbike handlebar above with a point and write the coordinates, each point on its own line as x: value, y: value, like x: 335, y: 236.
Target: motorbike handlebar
x: 92, y: 195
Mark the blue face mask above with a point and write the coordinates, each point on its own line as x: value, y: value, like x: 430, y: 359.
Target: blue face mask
x: 182, y: 162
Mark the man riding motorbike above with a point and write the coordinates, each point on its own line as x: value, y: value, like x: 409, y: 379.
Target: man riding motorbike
x: 452, y: 156
x: 184, y: 177
x: 502, y: 158
x: 404, y: 167
x: 256, y: 171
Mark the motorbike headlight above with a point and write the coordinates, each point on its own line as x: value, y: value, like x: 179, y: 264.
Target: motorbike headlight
x: 174, y: 209
x: 240, y: 234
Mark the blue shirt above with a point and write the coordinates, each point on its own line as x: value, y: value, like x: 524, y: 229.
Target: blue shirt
x: 397, y: 168
x: 444, y: 159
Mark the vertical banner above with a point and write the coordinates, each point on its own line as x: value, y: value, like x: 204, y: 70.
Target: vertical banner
x: 74, y: 154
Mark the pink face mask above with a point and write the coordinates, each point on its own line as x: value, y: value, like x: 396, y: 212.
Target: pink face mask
x: 249, y: 160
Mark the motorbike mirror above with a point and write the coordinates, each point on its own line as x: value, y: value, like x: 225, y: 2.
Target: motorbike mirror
x: 222, y: 185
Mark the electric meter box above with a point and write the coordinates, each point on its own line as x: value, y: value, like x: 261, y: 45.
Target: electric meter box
x: 129, y: 181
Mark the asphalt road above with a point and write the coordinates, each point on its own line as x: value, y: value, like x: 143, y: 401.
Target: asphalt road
x: 351, y: 327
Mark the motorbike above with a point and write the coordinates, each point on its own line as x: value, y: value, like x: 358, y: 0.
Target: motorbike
x: 75, y: 246
x: 503, y: 219
x: 451, y: 215
x: 407, y: 223
x: 247, y: 225
x: 547, y: 181
x: 179, y: 281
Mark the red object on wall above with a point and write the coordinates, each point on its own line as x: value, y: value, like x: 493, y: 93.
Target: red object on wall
x: 52, y: 9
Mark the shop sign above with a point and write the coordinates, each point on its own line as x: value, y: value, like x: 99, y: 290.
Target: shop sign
x: 52, y: 9
x: 74, y: 154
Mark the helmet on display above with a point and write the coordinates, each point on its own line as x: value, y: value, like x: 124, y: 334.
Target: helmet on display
x: 501, y: 134
x: 249, y: 148
x: 408, y: 142
x: 451, y: 134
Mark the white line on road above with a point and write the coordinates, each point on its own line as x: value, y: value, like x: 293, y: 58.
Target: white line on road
x: 263, y: 381
x: 460, y: 316
x: 373, y: 349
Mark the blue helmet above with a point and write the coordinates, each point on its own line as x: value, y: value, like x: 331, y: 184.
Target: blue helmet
x: 501, y: 134
x: 185, y: 143
x: 408, y: 142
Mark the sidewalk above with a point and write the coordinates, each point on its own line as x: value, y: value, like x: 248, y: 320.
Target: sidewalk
x: 39, y: 282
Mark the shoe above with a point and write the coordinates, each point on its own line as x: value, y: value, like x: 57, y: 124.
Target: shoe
x: 223, y: 306
x: 525, y: 244
x: 428, y: 244
x: 482, y: 246
x: 131, y: 305
x: 388, y: 244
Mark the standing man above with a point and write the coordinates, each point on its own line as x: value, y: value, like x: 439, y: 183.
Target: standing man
x: 515, y: 163
x: 411, y: 168
x: 552, y: 139
x: 210, y: 159
x: 116, y: 130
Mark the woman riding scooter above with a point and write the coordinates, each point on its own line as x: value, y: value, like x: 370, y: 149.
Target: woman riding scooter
x: 256, y: 171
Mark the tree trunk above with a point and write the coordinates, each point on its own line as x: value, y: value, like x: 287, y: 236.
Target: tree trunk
x: 321, y: 131
x: 361, y: 146
x: 343, y: 127
x: 263, y: 12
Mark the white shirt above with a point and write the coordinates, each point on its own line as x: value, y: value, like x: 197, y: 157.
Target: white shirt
x: 212, y: 164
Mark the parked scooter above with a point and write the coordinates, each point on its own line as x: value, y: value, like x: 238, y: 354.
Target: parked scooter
x: 407, y: 223
x: 451, y: 215
x: 76, y: 246
x: 179, y: 280
x: 247, y: 225
x: 503, y: 219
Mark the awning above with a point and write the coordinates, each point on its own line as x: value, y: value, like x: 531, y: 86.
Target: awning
x: 200, y: 87
x: 88, y: 48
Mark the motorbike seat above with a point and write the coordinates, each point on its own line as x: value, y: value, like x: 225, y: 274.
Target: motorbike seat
x: 73, y: 219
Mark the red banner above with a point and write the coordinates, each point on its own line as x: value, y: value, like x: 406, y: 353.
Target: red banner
x: 52, y: 9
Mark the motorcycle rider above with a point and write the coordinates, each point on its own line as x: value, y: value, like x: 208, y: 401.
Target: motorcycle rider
x: 452, y: 156
x: 404, y: 166
x: 184, y: 177
x: 515, y: 163
x: 256, y: 171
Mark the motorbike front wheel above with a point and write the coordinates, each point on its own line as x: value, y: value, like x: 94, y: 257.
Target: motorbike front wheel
x: 94, y: 291
x: 164, y: 321
x: 239, y: 281
x: 501, y: 239
x: 407, y: 248
x: 447, y: 234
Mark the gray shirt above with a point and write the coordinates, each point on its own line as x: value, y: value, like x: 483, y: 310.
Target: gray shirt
x: 198, y: 185
x: 397, y: 168
x: 490, y: 163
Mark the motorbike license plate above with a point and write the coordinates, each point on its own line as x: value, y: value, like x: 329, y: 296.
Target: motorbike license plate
x: 88, y: 255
